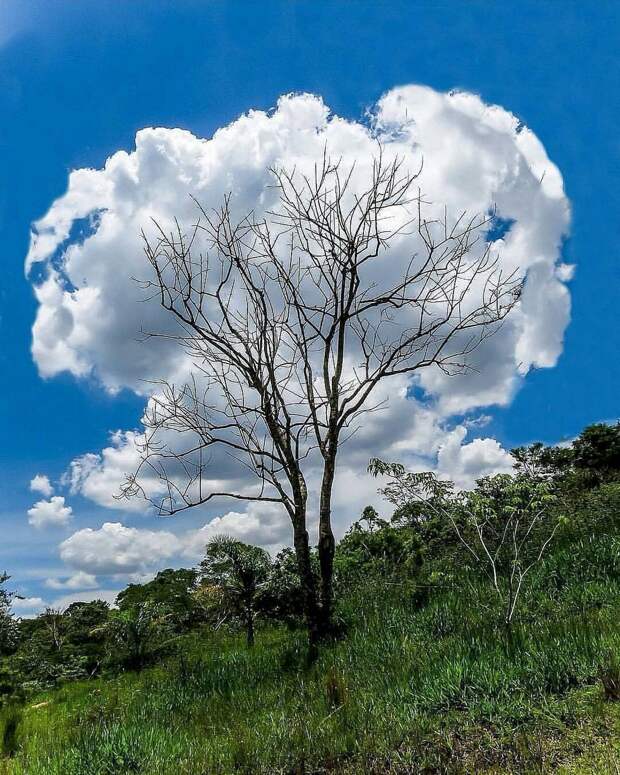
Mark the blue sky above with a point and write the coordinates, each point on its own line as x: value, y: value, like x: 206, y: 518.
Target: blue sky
x: 77, y: 80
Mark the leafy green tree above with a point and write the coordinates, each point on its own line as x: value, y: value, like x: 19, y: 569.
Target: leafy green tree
x: 371, y: 519
x: 280, y: 598
x: 435, y: 534
x: 84, y: 634
x: 507, y: 530
x: 239, y: 570
x: 373, y: 547
x: 54, y: 624
x: 591, y: 459
x: 597, y: 451
x: 170, y: 588
x: 45, y: 655
x: 596, y: 513
x: 211, y: 604
x: 545, y: 462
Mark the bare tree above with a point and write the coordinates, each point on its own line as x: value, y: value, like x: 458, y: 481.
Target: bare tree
x: 291, y: 321
x: 54, y: 624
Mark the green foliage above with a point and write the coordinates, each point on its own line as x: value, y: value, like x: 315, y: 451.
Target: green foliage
x: 506, y: 523
x: 235, y: 566
x: 432, y: 688
x: 136, y: 634
x: 57, y: 646
x: 609, y: 673
x: 544, y: 462
x: 373, y: 547
x: 597, y: 451
x: 427, y: 678
x: 591, y: 515
x: 170, y: 588
x: 436, y: 534
x: 12, y: 717
x: 511, y: 518
x: 280, y: 596
x: 590, y: 460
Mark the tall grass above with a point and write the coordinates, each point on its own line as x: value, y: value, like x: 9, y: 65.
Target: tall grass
x: 411, y: 688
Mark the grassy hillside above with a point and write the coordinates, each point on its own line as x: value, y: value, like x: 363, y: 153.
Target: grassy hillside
x: 427, y: 674
x: 421, y: 683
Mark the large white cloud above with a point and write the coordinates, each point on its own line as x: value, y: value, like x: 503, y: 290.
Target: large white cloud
x: 98, y: 476
x: 263, y: 524
x: 115, y: 548
x: 401, y: 430
x: 466, y: 462
x: 476, y: 158
x: 133, y: 554
x: 86, y: 251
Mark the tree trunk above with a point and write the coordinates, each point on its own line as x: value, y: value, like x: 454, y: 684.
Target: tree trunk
x: 249, y: 619
x: 308, y: 583
x: 327, y: 547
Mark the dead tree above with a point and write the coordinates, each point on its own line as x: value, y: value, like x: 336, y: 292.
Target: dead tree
x: 53, y: 621
x: 291, y: 320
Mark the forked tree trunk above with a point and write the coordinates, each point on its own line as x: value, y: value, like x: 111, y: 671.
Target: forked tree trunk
x: 267, y: 342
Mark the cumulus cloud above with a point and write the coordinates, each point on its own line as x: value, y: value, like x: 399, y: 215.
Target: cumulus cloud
x: 133, y: 553
x: 402, y: 430
x: 263, y: 524
x: 41, y: 484
x: 98, y: 476
x: 51, y: 512
x: 115, y: 548
x: 79, y: 580
x: 464, y: 463
x: 476, y: 158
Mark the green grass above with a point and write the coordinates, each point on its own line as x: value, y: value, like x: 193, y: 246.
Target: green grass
x: 438, y: 688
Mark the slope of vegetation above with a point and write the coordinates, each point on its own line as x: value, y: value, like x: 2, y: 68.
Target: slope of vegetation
x: 426, y: 689
x: 426, y: 675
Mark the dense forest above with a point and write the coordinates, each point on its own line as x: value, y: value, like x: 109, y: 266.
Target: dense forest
x: 473, y: 632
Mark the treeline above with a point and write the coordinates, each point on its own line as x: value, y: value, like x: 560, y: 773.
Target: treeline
x: 504, y: 535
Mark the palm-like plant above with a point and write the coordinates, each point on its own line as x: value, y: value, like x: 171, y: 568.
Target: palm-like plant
x: 239, y: 570
x: 136, y: 633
